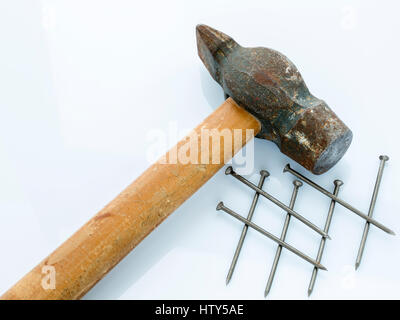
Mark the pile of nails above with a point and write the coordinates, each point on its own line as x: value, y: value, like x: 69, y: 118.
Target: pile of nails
x: 290, y: 212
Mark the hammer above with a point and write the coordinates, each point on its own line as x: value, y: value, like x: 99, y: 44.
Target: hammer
x: 268, y: 99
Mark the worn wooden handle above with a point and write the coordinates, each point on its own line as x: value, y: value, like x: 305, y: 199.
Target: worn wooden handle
x: 81, y: 261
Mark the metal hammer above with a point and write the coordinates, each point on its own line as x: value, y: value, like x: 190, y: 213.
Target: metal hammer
x: 268, y: 85
x: 268, y: 99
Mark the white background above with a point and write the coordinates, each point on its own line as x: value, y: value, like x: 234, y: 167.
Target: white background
x: 82, y: 83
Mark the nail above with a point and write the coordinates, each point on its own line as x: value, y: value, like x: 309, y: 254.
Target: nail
x: 337, y: 183
x: 371, y: 209
x: 264, y: 174
x: 297, y: 184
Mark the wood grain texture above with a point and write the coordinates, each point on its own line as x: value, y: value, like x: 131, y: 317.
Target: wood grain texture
x: 82, y: 260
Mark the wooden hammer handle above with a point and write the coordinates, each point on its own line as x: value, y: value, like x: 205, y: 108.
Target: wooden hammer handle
x: 81, y: 261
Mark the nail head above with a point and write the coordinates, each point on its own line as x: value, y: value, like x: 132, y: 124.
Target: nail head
x: 384, y: 158
x: 338, y: 182
x: 264, y: 173
x: 297, y: 183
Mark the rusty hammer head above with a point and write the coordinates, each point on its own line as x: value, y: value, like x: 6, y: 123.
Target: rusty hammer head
x: 269, y: 86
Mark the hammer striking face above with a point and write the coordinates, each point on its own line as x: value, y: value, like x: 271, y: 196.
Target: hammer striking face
x: 269, y: 86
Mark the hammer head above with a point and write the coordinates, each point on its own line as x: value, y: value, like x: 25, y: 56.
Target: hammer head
x: 269, y: 86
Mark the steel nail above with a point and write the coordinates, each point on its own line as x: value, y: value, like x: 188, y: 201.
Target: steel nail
x: 264, y: 174
x: 297, y: 184
x: 371, y: 209
x: 337, y: 183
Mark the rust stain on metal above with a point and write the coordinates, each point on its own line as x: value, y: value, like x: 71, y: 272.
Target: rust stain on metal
x: 269, y: 86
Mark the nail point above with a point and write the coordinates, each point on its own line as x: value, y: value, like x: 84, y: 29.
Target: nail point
x: 320, y: 266
x: 327, y: 236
